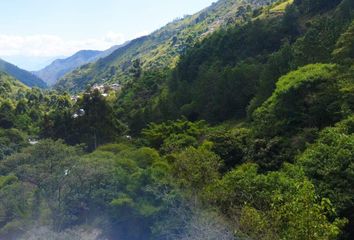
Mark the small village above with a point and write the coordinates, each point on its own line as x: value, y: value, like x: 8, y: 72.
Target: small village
x: 104, y: 89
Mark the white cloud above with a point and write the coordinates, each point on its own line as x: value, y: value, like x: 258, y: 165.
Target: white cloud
x: 51, y: 45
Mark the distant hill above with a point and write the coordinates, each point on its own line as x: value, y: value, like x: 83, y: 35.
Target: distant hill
x: 23, y: 76
x: 60, y: 67
x: 163, y: 47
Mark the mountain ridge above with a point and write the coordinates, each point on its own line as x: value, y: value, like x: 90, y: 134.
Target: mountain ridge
x: 23, y: 76
x: 163, y: 47
x: 60, y: 67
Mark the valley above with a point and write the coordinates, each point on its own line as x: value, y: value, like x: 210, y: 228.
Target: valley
x: 234, y: 123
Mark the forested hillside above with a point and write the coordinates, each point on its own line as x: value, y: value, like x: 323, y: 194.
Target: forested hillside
x: 248, y: 135
x: 162, y: 48
x: 9, y: 87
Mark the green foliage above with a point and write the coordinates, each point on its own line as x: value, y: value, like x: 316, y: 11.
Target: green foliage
x: 217, y: 78
x: 195, y: 169
x: 330, y: 164
x: 313, y: 6
x: 231, y: 146
x: 7, y: 180
x: 278, y: 64
x: 136, y: 103
x: 172, y: 136
x: 116, y: 182
x: 9, y: 86
x: 139, y: 184
x: 269, y: 153
x: 43, y: 167
x: 11, y: 140
x: 308, y: 97
x: 15, y: 207
x: 91, y: 121
x: 331, y: 157
x: 280, y: 205
x: 345, y: 46
x: 304, y: 218
x: 318, y: 43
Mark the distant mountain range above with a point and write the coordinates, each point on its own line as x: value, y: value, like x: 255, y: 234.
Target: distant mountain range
x: 61, y: 67
x: 23, y: 76
x: 158, y: 50
x: 162, y: 48
x: 31, y: 63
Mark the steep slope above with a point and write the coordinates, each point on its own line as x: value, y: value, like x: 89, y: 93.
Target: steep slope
x: 233, y: 72
x: 9, y: 86
x: 163, y: 47
x: 24, y: 76
x: 60, y: 67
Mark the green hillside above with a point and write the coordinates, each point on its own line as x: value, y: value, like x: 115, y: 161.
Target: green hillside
x: 10, y: 87
x: 23, y: 76
x: 232, y: 72
x: 162, y: 48
x: 60, y: 67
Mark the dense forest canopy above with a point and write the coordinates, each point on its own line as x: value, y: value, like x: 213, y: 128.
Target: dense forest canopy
x: 249, y: 134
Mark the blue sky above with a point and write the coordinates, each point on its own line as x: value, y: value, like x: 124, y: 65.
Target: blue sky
x: 34, y: 32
